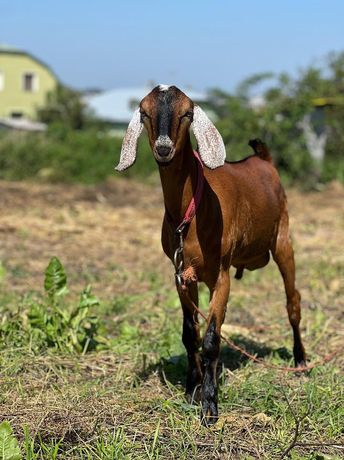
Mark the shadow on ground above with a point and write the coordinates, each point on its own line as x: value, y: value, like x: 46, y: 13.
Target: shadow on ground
x: 173, y: 370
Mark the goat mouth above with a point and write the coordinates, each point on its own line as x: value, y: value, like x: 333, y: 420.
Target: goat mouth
x: 164, y: 160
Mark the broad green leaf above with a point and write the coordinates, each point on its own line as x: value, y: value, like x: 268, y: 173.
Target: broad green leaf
x: 55, y: 281
x: 87, y: 299
x: 9, y: 448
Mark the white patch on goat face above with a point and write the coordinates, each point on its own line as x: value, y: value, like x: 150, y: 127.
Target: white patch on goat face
x: 164, y: 87
x: 163, y: 141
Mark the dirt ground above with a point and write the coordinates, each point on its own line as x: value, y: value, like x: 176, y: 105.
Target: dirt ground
x: 104, y: 234
x: 109, y: 236
x: 110, y: 233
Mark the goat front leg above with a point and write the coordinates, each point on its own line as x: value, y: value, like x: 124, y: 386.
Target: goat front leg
x: 211, y: 347
x: 191, y: 339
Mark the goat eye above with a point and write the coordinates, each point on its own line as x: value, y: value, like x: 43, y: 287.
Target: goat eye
x: 189, y: 115
x: 143, y: 116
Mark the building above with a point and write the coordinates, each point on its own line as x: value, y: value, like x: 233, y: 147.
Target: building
x: 24, y: 83
x: 116, y: 106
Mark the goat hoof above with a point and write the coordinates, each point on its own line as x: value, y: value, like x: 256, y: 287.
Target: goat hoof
x: 209, y: 420
x: 300, y: 365
x: 209, y: 415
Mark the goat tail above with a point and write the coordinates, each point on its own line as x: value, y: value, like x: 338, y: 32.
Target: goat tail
x: 260, y: 149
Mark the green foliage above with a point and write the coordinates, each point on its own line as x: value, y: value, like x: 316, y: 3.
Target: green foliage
x: 50, y: 322
x: 9, y: 448
x: 278, y: 121
x: 55, y: 281
x: 67, y: 154
x: 69, y: 330
x: 64, y: 105
x: 63, y: 155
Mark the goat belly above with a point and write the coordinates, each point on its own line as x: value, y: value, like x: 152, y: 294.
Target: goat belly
x: 257, y: 262
x: 252, y: 256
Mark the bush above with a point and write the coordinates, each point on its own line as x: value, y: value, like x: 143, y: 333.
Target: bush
x: 64, y: 155
x: 50, y: 323
x: 89, y: 155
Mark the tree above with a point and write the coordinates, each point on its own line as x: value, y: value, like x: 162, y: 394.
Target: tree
x: 301, y: 119
x: 64, y: 105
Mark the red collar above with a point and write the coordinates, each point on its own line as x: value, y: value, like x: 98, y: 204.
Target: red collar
x: 196, y: 199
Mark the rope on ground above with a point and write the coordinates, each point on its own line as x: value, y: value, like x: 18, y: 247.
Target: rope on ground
x: 254, y: 358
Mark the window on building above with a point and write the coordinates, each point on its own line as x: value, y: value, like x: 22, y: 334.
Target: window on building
x: 30, y: 82
x: 17, y: 115
x: 2, y: 81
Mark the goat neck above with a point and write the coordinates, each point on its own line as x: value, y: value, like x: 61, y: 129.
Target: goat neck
x: 179, y: 181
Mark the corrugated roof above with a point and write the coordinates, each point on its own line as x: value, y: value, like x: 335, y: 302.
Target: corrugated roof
x: 118, y: 105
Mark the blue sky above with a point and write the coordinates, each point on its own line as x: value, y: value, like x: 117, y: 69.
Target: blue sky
x: 213, y: 43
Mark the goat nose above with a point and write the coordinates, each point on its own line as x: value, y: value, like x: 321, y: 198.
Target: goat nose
x: 163, y: 151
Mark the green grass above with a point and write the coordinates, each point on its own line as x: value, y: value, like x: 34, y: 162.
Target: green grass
x: 124, y: 398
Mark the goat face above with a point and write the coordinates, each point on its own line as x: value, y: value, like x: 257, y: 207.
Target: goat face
x: 167, y: 113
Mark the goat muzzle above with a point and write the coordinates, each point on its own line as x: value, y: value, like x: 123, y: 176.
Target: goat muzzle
x: 163, y: 151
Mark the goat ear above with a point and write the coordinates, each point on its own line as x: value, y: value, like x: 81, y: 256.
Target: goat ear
x: 211, y: 147
x: 129, y: 144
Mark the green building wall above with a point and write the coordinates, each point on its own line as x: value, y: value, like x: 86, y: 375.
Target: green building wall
x: 14, y: 99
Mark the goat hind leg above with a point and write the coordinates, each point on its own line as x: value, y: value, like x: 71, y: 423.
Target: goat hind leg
x: 284, y: 257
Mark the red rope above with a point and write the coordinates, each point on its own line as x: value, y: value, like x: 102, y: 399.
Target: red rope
x: 196, y: 199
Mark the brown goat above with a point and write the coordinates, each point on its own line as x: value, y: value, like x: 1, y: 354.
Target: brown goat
x: 241, y: 218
